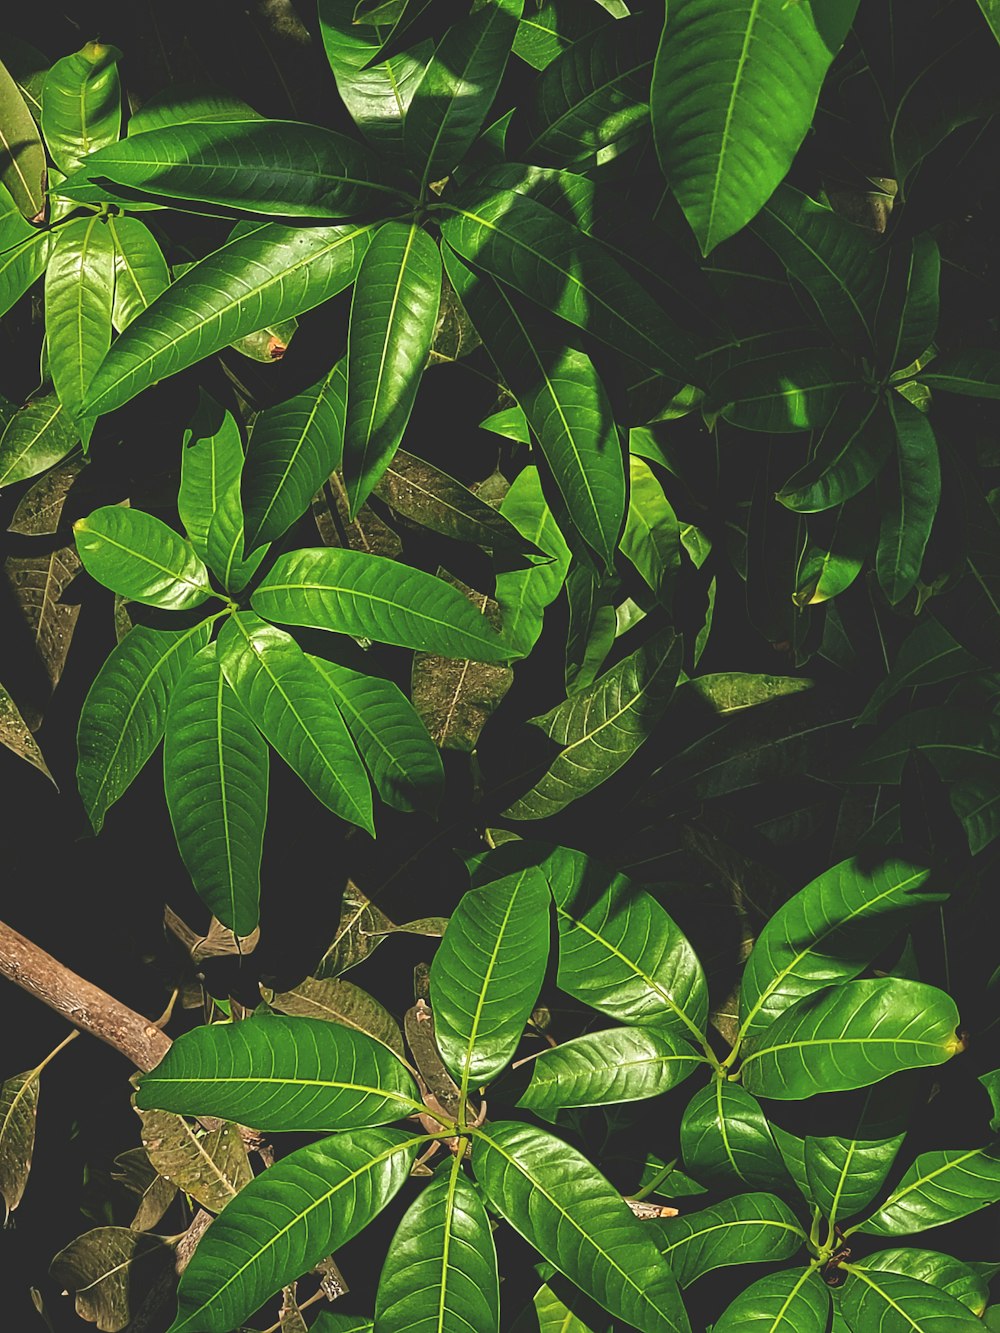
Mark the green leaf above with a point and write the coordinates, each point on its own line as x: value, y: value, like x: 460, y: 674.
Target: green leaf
x: 908, y: 311
x: 991, y: 13
x: 726, y: 141
x: 558, y: 1307
x: 294, y: 446
x: 264, y: 273
x: 913, y: 501
x: 82, y: 104
x: 893, y: 1303
x: 837, y: 544
x: 618, y: 1065
x: 938, y: 1187
x: 211, y: 459
x: 274, y: 168
x: 927, y: 656
x: 403, y: 761
x: 788, y: 391
x: 457, y: 89
x: 830, y: 931
x: 38, y: 435
x: 226, y: 543
x: 284, y: 1073
x: 725, y: 1137
x: 125, y: 711
x: 487, y: 973
x: 590, y: 634
x: 180, y: 104
x: 370, y: 596
x: 620, y: 952
x: 532, y: 249
x: 850, y: 1036
x: 941, y: 1271
x: 565, y: 404
x: 844, y: 1175
x: 524, y: 590
x: 794, y: 1301
x: 24, y: 250
x: 140, y: 269
x: 652, y: 537
x: 288, y: 1219
x: 22, y: 157
x: 559, y: 1203
x: 746, y: 1229
x: 292, y: 705
x: 837, y: 263
x: 136, y: 555
x: 393, y: 314
x: 971, y: 372
x: 215, y: 769
x: 550, y: 26
x: 849, y: 453
x: 959, y: 742
x: 79, y: 291
x: 601, y: 727
x: 441, y: 1269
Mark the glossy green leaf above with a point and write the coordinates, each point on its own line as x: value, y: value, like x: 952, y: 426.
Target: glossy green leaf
x: 894, y: 1303
x: 850, y: 1036
x: 36, y: 437
x: 651, y: 540
x: 748, y: 1228
x: 440, y: 1273
x: 457, y: 89
x: 908, y: 311
x: 487, y: 973
x: 830, y: 931
x: 140, y: 269
x: 393, y: 315
x: 125, y: 711
x: 789, y: 391
x: 525, y: 589
x: 215, y: 770
x: 849, y: 453
x: 82, y: 104
x: 590, y: 634
x: 972, y: 372
x: 79, y: 291
x: 559, y: 1203
x: 180, y: 104
x: 564, y: 402
x: 264, y: 273
x: 276, y: 168
x: 914, y: 495
x: 844, y: 1175
x: 725, y: 141
x: 601, y: 727
x: 942, y: 1271
x: 725, y: 1137
x: 287, y: 1220
x: 294, y: 446
x: 370, y: 596
x: 136, y: 555
x: 292, y: 705
x: 22, y: 157
x: 403, y: 761
x: 617, y: 1065
x: 291, y: 1073
x: 211, y: 459
x: 794, y: 1301
x: 550, y: 27
x: 620, y: 952
x: 541, y: 255
x: 559, y: 1307
x: 937, y: 1188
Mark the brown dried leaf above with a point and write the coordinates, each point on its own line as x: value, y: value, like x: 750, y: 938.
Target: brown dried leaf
x: 123, y: 619
x: 361, y: 930
x: 39, y: 511
x: 38, y: 583
x: 339, y: 1001
x: 210, y: 1165
x: 220, y: 942
x: 290, y: 1316
x: 456, y: 699
x: 454, y: 335
x: 366, y: 532
x: 117, y: 1275
x: 136, y: 1172
x: 18, y: 1110
x: 15, y: 734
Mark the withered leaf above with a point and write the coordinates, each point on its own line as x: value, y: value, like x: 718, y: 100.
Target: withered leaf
x: 116, y: 1274
x: 454, y: 336
x: 366, y: 532
x: 136, y: 1172
x: 210, y: 1165
x: 15, y: 734
x: 339, y: 1001
x: 290, y: 1315
x: 267, y: 344
x: 220, y: 942
x: 18, y: 1109
x: 361, y: 929
x: 39, y: 512
x: 38, y: 583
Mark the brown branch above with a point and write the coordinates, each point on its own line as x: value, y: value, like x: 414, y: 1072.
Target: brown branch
x: 84, y: 1005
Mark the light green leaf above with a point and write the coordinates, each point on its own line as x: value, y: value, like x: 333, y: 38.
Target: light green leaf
x: 24, y: 250
x: 726, y: 139
x: 125, y: 711
x: 941, y: 1271
x: 179, y: 104
x: 22, y: 157
x: 590, y: 634
x: 937, y: 1188
x: 562, y: 1205
x: 849, y: 453
x: 844, y: 1175
x: 850, y: 1036
x: 211, y: 459
x: 393, y: 314
x: 292, y: 705
x: 440, y: 1274
x: 264, y: 273
x: 215, y: 769
x: 746, y: 1229
x: 914, y: 495
x: 487, y: 973
x: 725, y: 1137
x: 36, y: 437
x: 551, y: 26
x: 82, y: 104
x: 140, y: 269
x: 618, y: 1065
x: 601, y: 727
x: 136, y: 555
x: 893, y: 1303
x: 287, y: 1220
x: 787, y: 391
x: 651, y: 540
x: 794, y: 1301
x: 525, y: 589
x: 371, y: 596
x: 284, y: 1073
x: 79, y: 291
x: 829, y: 931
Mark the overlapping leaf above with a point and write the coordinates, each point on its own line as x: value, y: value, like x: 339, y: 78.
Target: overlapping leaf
x: 937, y: 1188
x: 599, y: 1068
x: 137, y: 556
x: 748, y: 1228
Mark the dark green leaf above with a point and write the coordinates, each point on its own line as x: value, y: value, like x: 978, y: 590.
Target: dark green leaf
x: 749, y: 1228
x: 794, y: 1301
x: 618, y: 1065
x: 893, y: 1303
x: 849, y: 453
x: 937, y: 1188
x: 789, y: 391
x: 937, y: 1270
x: 524, y: 590
x: 908, y: 312
x: 972, y: 372
x: 844, y: 1175
x: 22, y: 157
x: 211, y: 459
x: 725, y: 1138
x: 913, y: 501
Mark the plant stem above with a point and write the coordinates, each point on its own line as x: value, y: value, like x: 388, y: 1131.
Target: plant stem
x: 72, y: 1036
